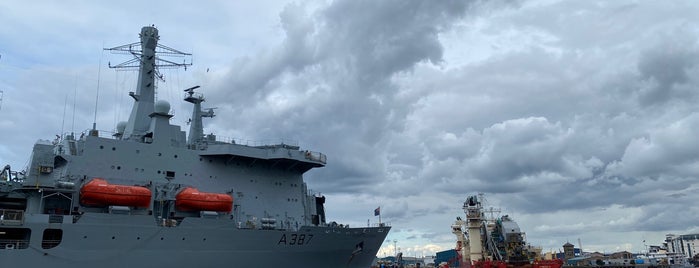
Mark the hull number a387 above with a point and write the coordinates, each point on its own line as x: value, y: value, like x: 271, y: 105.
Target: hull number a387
x: 295, y: 239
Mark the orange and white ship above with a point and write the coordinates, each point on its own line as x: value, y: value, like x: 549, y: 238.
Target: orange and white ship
x: 494, y: 242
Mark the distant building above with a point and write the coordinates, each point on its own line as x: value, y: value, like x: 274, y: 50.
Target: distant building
x: 568, y: 251
x: 576, y: 253
x: 405, y: 261
x: 684, y: 244
x: 429, y: 259
x: 657, y: 249
x: 623, y: 255
x: 448, y: 256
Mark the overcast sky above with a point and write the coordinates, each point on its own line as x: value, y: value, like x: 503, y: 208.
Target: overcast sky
x: 579, y: 119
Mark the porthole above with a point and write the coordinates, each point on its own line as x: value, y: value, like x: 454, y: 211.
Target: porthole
x: 101, y: 147
x: 113, y: 148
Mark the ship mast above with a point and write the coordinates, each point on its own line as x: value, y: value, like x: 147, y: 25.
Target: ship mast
x: 196, y: 128
x: 148, y: 62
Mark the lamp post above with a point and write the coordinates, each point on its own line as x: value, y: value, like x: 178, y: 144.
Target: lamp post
x: 395, y: 248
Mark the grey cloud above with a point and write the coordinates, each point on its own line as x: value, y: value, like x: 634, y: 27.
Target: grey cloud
x: 333, y: 71
x: 668, y: 151
x: 664, y: 69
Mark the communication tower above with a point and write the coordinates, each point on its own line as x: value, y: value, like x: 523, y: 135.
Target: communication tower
x: 148, y: 58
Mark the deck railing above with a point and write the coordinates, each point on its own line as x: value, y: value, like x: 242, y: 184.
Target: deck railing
x: 47, y: 244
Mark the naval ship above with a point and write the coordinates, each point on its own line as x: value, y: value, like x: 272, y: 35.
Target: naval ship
x: 151, y: 195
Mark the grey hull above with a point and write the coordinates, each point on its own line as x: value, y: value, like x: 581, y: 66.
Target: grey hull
x: 122, y: 242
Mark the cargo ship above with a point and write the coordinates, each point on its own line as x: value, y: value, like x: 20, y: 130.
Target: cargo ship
x: 493, y: 242
x: 151, y: 195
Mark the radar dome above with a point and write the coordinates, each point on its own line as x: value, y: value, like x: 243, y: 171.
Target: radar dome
x: 162, y: 107
x: 121, y: 126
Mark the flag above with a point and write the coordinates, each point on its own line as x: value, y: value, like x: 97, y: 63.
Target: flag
x: 377, y: 211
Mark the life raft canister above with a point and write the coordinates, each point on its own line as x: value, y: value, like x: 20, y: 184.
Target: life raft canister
x: 99, y: 192
x: 191, y: 199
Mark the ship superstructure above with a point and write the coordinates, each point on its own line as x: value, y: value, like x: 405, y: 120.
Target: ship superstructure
x: 151, y: 196
x: 493, y: 242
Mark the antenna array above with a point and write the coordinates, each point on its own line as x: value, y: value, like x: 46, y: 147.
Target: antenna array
x: 136, y: 51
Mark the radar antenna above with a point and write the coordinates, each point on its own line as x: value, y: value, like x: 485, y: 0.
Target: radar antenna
x: 190, y: 90
x: 136, y: 51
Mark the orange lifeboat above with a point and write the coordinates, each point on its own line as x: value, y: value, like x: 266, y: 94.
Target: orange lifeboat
x: 191, y: 199
x: 98, y: 192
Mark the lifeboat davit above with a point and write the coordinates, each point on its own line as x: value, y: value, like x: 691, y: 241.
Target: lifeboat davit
x: 191, y: 199
x: 99, y: 192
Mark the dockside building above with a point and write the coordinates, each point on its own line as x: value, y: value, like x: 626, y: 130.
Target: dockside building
x: 684, y: 244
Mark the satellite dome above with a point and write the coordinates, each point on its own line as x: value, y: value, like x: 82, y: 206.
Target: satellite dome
x: 162, y: 107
